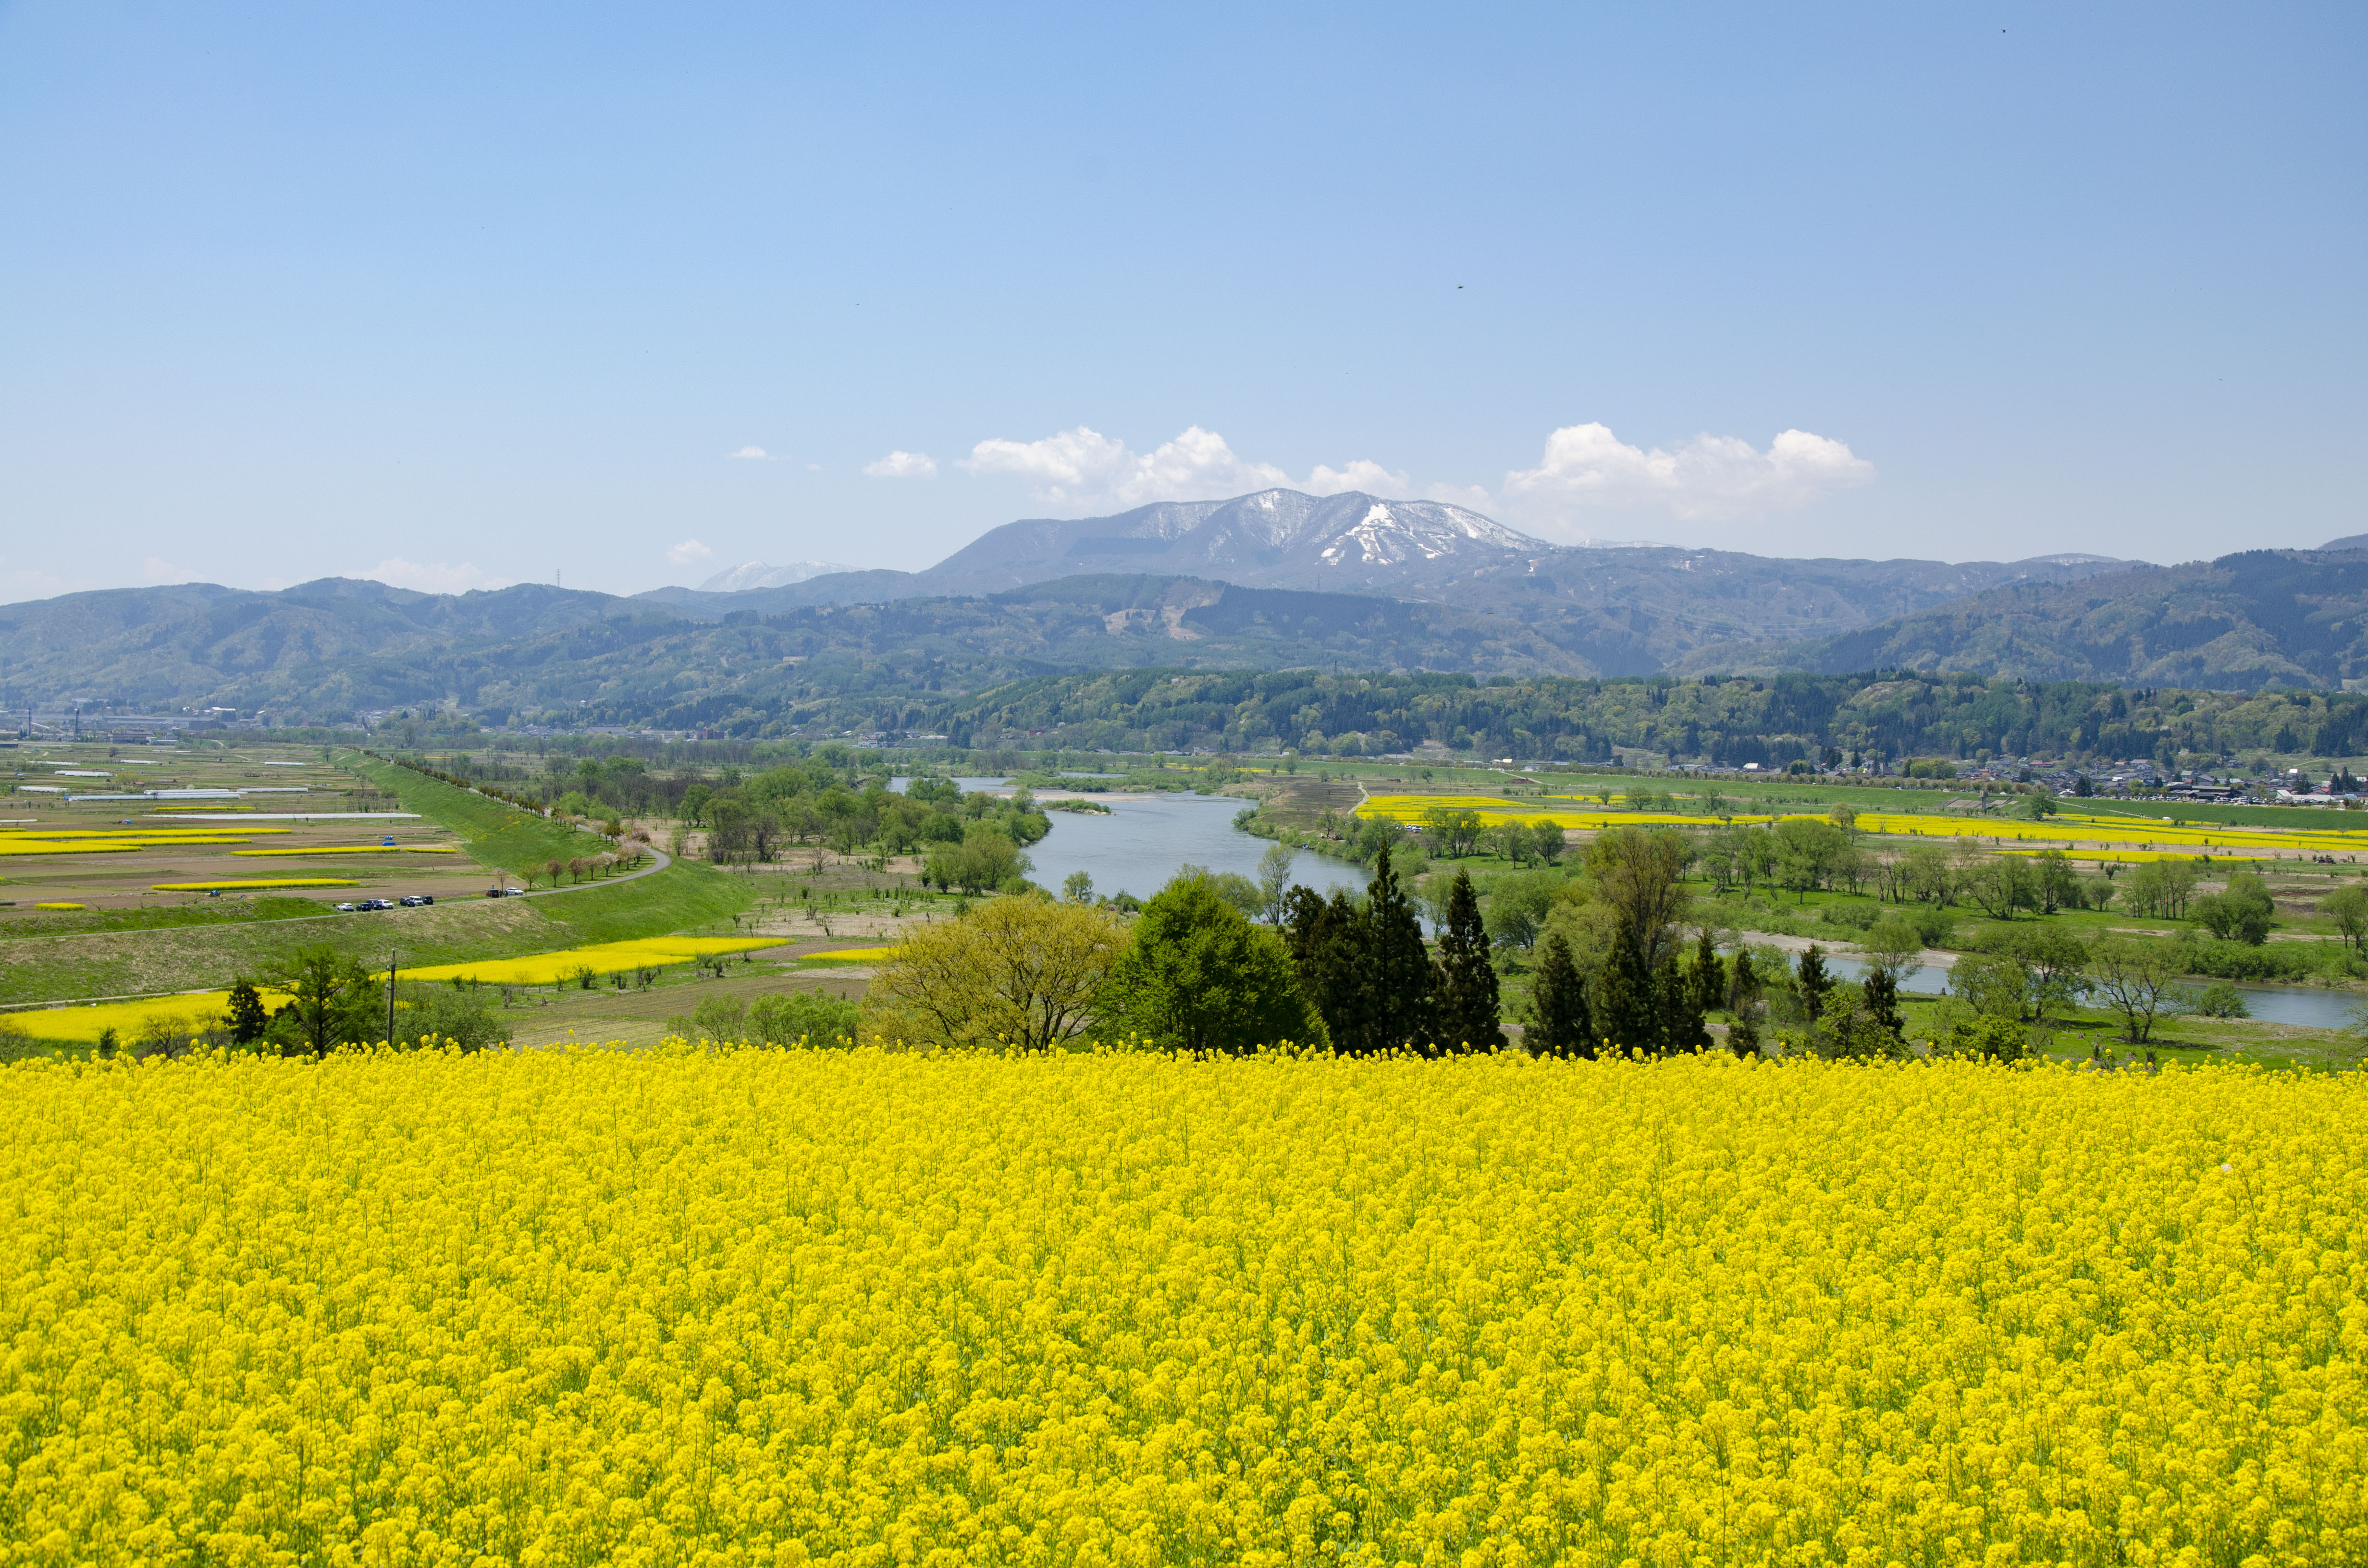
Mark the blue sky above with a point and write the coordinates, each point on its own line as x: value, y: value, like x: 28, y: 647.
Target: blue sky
x: 463, y: 295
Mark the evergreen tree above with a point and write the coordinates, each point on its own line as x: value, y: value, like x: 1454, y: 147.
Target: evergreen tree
x: 1677, y: 1022
x: 1401, y: 963
x: 1882, y: 994
x: 1742, y: 982
x: 1626, y: 1013
x: 1464, y: 983
x: 247, y: 1018
x: 1816, y: 983
x: 1331, y: 947
x: 1707, y: 981
x: 1559, y: 1023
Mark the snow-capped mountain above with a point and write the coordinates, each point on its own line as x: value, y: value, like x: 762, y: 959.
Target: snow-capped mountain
x: 1273, y: 538
x: 756, y: 575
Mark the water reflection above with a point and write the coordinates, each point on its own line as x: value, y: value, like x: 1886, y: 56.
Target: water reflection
x: 1145, y: 837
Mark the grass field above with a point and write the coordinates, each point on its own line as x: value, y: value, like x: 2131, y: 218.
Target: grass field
x: 848, y: 1307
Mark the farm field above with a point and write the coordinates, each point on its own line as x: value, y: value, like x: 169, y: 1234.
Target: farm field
x: 588, y: 1306
x: 274, y: 815
x: 128, y: 940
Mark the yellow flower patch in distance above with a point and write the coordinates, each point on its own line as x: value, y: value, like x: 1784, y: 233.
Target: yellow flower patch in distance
x: 1410, y: 809
x: 85, y: 1025
x: 108, y: 847
x: 160, y: 834
x: 356, y: 849
x: 850, y: 955
x: 600, y: 958
x: 61, y: 904
x: 255, y: 883
x: 2139, y: 857
x: 752, y: 1306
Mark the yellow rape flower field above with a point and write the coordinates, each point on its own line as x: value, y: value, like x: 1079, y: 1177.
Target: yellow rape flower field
x: 359, y: 849
x: 764, y: 1306
x: 600, y: 958
x: 249, y: 883
x: 2162, y: 840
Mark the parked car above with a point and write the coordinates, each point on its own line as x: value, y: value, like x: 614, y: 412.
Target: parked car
x: 345, y: 908
x: 378, y: 904
x: 419, y: 900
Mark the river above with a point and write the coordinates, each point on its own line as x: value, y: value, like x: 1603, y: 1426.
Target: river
x: 1145, y: 837
x: 2304, y: 1005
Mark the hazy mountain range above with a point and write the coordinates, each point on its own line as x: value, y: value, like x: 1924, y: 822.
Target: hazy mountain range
x: 1275, y: 579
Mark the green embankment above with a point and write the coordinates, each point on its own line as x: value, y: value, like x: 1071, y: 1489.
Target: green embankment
x: 684, y: 896
x: 497, y: 832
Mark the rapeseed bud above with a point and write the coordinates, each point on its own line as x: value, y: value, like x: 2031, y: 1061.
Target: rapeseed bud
x: 750, y: 1306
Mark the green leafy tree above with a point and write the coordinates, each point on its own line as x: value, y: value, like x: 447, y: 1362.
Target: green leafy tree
x: 2137, y: 978
x: 2054, y: 881
x: 1464, y: 982
x: 1547, y: 841
x: 1198, y: 976
x: 2240, y: 913
x: 1274, y: 882
x: 2348, y: 909
x: 1559, y: 1023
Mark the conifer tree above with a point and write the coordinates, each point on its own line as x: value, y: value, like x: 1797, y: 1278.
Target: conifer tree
x: 1707, y: 981
x: 1401, y: 996
x: 1816, y: 983
x: 1464, y: 982
x: 247, y: 1018
x: 1331, y: 947
x: 1626, y: 1013
x: 1882, y: 994
x: 1559, y: 1020
x: 1678, y: 1023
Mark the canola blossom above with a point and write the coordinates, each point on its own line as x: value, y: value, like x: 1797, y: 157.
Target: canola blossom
x: 60, y: 903
x: 2068, y: 830
x: 747, y: 1306
x: 357, y: 849
x: 107, y: 846
x: 246, y: 882
x: 85, y: 1024
x: 600, y: 958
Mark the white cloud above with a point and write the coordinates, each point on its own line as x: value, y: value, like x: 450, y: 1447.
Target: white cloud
x: 435, y: 577
x: 18, y: 584
x: 1083, y: 468
x: 904, y: 465
x: 1587, y: 467
x: 155, y: 571
x: 1362, y: 474
x: 688, y: 552
x: 754, y: 454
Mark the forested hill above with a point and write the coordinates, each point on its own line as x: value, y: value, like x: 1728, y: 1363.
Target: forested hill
x: 2297, y: 618
x: 1728, y: 722
x: 325, y: 650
